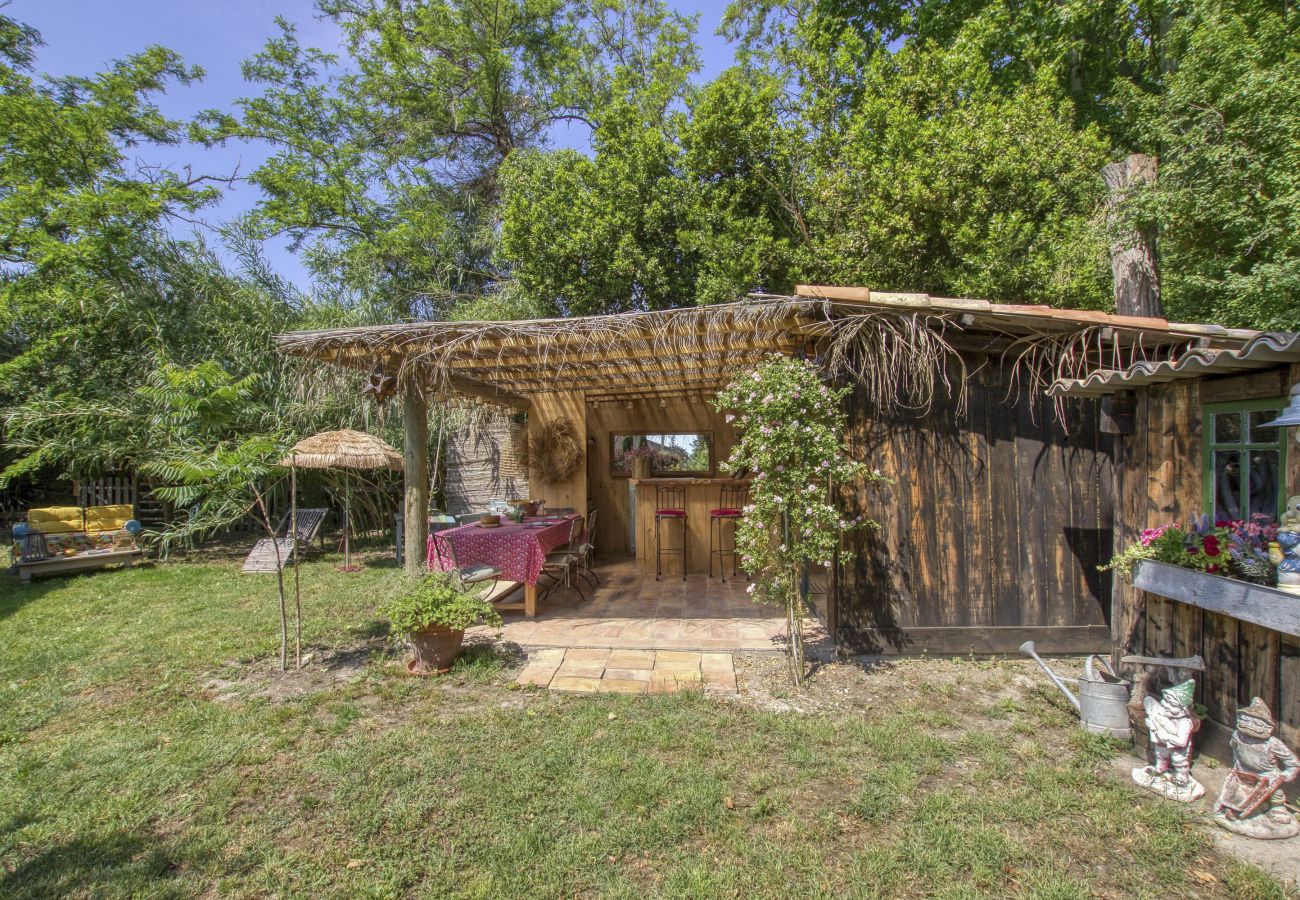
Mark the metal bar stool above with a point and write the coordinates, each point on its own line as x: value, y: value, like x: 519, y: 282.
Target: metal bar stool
x: 670, y: 505
x: 731, y: 505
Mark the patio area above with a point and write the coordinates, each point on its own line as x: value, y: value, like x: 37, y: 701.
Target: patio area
x: 631, y: 611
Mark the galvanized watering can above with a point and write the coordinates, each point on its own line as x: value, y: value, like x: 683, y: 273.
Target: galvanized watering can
x: 1103, y: 696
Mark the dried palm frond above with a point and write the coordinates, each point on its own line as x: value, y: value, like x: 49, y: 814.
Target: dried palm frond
x: 900, y: 349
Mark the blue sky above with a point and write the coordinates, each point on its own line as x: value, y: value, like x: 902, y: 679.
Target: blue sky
x: 82, y: 36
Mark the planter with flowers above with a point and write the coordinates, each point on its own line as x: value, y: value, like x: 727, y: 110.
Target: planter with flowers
x: 1224, y: 567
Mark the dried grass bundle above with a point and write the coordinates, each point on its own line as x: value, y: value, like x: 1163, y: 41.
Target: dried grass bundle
x: 554, y: 451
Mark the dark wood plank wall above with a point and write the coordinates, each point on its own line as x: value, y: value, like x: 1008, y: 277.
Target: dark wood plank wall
x: 991, y: 530
x: 1157, y: 481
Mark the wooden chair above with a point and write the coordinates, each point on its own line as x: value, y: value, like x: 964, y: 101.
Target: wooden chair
x: 670, y: 506
x: 732, y: 498
x: 587, y: 549
x: 309, y: 527
x: 560, y: 565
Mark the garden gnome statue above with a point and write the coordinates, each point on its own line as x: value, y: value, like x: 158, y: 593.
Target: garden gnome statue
x: 1251, y: 802
x: 1288, y: 541
x: 1172, y: 723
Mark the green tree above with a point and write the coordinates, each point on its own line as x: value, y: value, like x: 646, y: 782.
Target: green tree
x: 1228, y: 200
x: 601, y: 235
x: 386, y: 166
x: 935, y: 179
x: 81, y: 221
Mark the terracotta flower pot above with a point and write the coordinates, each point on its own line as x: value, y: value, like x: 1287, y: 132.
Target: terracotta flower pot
x: 640, y: 468
x: 434, y: 650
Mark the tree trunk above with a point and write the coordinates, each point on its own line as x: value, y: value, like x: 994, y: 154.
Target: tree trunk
x: 415, y: 411
x: 1132, y: 250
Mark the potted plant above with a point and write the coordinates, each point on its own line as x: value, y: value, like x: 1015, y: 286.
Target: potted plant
x: 640, y: 460
x: 434, y: 611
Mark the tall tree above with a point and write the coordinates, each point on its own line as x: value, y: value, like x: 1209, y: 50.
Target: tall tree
x: 386, y: 164
x: 1228, y: 198
x: 81, y: 220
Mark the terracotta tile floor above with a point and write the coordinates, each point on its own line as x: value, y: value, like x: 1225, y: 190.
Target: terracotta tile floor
x: 631, y: 611
x: 628, y: 671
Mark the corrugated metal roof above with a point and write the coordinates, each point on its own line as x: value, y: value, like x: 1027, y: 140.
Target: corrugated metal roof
x: 1270, y: 348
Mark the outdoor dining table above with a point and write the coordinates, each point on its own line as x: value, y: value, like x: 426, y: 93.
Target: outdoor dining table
x: 517, y: 549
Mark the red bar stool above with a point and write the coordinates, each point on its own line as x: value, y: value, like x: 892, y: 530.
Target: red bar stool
x: 670, y: 506
x: 731, y: 505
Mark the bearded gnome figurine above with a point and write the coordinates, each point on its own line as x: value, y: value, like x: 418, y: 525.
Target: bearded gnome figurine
x: 1171, y: 723
x: 1252, y: 802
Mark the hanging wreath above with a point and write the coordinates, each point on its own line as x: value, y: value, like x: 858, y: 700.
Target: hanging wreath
x: 553, y: 450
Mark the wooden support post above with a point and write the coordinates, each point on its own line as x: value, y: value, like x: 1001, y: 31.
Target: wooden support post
x: 415, y: 412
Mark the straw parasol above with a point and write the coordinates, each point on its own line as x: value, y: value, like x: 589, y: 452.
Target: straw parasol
x: 344, y: 449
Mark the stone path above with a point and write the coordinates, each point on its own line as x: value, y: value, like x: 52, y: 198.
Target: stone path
x: 628, y: 671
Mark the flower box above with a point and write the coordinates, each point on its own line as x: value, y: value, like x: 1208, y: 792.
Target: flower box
x: 1254, y: 603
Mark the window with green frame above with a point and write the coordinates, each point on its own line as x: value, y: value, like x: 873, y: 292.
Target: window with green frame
x: 1243, y: 461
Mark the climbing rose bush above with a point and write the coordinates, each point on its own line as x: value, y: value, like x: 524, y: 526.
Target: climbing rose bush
x: 791, y: 438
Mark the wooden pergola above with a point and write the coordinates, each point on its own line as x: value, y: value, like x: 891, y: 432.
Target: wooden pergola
x: 895, y: 344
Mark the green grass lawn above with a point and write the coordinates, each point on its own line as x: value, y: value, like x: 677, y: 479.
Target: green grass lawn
x: 149, y: 747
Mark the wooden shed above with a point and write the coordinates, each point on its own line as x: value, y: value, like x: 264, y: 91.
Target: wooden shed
x: 1000, y: 505
x: 1190, y: 439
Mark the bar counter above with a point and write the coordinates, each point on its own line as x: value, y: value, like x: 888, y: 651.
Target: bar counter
x: 702, y: 495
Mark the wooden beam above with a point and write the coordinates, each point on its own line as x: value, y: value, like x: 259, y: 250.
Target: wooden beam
x: 517, y: 379
x: 474, y: 388
x: 415, y: 510
x: 833, y: 292
x: 654, y: 392
x: 603, y: 382
x: 974, y: 640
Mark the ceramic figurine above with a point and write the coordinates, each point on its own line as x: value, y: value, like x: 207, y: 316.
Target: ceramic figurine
x: 1172, y: 723
x: 1251, y: 802
x: 1288, y: 570
x: 1291, y: 515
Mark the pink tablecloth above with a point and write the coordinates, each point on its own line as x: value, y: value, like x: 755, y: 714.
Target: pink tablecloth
x: 517, y: 550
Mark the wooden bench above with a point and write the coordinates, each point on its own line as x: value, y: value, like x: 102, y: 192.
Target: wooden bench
x: 91, y: 559
x: 52, y: 531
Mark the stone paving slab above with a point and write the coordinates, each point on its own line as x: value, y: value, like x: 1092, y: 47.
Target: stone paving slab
x: 628, y: 671
x: 630, y: 611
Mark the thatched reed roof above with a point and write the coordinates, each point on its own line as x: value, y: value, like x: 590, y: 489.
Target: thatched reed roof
x: 898, y: 345
x: 346, y: 449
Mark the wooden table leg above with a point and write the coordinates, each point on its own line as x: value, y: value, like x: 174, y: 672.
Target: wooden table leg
x: 530, y: 601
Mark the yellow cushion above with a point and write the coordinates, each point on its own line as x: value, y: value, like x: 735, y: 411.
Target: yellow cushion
x: 55, y: 519
x: 108, y: 518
